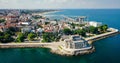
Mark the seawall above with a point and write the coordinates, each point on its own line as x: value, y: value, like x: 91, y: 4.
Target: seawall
x: 101, y: 36
x: 23, y: 45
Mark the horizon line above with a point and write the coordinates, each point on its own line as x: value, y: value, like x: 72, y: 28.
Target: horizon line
x: 56, y: 8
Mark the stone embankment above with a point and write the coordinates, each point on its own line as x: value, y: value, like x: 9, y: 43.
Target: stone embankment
x: 101, y: 36
x: 28, y: 45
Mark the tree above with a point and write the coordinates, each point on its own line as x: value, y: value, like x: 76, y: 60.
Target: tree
x: 13, y: 29
x: 5, y: 37
x: 20, y: 37
x: 49, y: 37
x: 93, y: 29
x: 80, y: 32
x: 9, y: 32
x: 46, y: 37
x: 8, y: 38
x: 67, y: 31
x: 73, y: 25
x: 2, y: 20
x: 1, y: 39
x: 31, y: 36
x: 103, y: 28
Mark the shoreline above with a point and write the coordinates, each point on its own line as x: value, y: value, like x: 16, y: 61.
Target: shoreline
x: 45, y: 13
x: 55, y: 47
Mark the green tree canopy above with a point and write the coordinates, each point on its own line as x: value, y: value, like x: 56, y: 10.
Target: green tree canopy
x: 103, y: 28
x: 93, y: 29
x: 49, y: 37
x: 31, y: 36
x: 80, y: 32
x: 5, y: 37
x: 2, y: 20
x: 67, y: 31
x: 20, y: 37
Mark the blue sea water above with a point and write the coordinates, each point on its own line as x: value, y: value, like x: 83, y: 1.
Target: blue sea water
x: 107, y: 50
x: 106, y: 16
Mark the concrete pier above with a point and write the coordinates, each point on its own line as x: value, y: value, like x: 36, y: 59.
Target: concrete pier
x: 102, y: 36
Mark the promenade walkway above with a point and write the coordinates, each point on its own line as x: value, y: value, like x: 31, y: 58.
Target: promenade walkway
x: 15, y: 45
x: 97, y: 37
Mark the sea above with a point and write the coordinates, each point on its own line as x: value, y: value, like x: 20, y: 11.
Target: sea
x: 106, y: 50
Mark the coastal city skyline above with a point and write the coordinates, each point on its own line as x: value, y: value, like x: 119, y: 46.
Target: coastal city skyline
x: 59, y: 4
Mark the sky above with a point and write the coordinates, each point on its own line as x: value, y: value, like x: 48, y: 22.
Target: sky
x: 59, y: 4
